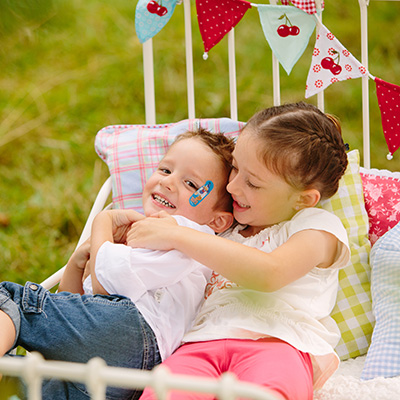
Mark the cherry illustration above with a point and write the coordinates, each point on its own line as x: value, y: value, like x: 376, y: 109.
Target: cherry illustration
x: 336, y: 69
x: 287, y: 28
x: 327, y: 62
x: 152, y: 7
x: 332, y: 64
x: 294, y: 30
x: 162, y: 11
x: 283, y: 30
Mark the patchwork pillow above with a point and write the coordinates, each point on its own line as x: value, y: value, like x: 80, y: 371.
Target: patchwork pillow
x: 382, y: 200
x: 353, y: 310
x: 133, y: 152
x: 383, y: 357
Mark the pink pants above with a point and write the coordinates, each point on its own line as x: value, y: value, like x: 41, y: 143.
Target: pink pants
x: 269, y: 362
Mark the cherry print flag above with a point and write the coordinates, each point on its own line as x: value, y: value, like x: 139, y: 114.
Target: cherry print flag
x: 306, y: 5
x: 287, y: 30
x: 217, y: 17
x: 151, y: 16
x: 330, y: 63
x: 389, y: 104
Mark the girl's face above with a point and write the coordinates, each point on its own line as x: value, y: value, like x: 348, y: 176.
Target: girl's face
x: 261, y: 198
x: 186, y: 167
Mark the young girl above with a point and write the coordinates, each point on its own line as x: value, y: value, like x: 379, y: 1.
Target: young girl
x: 266, y: 317
x: 149, y: 299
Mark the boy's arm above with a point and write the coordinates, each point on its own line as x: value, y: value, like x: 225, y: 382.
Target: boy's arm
x: 109, y: 226
x: 101, y: 233
x: 71, y: 281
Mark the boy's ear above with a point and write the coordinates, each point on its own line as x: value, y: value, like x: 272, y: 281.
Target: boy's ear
x: 308, y: 198
x: 221, y: 221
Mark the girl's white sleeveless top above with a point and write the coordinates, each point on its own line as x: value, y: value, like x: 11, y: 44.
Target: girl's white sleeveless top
x: 298, y: 313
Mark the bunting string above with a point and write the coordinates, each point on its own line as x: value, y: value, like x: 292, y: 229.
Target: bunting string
x: 287, y: 29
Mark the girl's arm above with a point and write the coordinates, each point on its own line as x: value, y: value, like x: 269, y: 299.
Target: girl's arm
x: 109, y: 226
x: 244, y: 265
x: 71, y: 281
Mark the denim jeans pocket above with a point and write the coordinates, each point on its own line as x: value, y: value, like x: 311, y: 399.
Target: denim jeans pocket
x: 33, y: 298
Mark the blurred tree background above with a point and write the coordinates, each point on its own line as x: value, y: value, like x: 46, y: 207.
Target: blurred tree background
x: 68, y: 68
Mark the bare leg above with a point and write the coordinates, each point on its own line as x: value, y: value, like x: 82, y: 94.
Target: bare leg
x: 7, y: 333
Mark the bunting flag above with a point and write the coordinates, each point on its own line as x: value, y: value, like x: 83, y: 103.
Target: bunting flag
x: 287, y: 30
x: 389, y: 104
x: 217, y: 17
x: 306, y: 5
x: 151, y: 16
x: 331, y: 62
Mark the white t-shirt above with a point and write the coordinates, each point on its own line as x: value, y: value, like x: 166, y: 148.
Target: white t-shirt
x: 167, y: 287
x: 298, y: 313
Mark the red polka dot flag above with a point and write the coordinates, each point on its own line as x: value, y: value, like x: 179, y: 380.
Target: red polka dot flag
x: 389, y: 104
x: 306, y: 5
x: 217, y: 17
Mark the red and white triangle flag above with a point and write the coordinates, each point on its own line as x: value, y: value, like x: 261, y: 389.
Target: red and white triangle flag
x: 217, y: 17
x: 331, y: 62
x: 306, y: 5
x: 389, y: 104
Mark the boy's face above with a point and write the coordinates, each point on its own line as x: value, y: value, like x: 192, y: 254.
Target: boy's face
x: 188, y: 165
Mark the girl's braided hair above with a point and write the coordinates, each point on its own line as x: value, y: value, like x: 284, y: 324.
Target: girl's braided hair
x: 301, y: 144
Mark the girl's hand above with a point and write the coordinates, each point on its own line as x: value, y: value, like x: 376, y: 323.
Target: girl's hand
x: 121, y: 222
x: 155, y: 232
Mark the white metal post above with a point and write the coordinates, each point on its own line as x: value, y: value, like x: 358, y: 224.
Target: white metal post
x: 148, y: 72
x: 189, y: 59
x: 320, y: 95
x: 364, y: 83
x: 275, y: 74
x: 232, y: 75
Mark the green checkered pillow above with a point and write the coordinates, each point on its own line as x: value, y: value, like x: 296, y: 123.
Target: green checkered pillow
x: 353, y: 310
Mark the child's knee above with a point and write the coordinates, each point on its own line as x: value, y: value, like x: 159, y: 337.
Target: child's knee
x: 8, y: 333
x: 10, y: 319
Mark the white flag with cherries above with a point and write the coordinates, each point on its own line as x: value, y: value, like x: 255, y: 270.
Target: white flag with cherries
x: 331, y: 62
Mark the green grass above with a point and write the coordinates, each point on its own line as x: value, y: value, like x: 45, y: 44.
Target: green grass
x: 68, y: 68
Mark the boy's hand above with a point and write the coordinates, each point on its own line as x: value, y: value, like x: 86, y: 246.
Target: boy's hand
x: 75, y: 271
x: 109, y: 226
x: 154, y: 232
x: 86, y: 271
x: 81, y: 255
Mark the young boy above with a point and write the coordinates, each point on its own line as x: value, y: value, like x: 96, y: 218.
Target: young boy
x: 144, y: 301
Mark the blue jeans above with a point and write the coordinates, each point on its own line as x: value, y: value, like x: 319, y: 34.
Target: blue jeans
x: 70, y: 327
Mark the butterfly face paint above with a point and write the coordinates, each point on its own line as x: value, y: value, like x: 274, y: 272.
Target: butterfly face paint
x: 201, y: 193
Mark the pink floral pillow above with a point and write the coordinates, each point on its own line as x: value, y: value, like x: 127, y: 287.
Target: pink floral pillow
x: 382, y: 200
